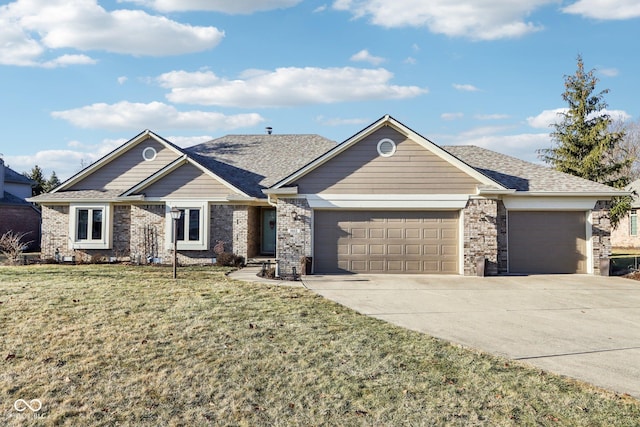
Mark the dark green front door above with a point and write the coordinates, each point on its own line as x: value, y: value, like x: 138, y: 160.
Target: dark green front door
x: 268, y: 241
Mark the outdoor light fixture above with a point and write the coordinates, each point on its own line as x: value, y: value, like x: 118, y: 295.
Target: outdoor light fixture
x: 294, y: 215
x: 175, y: 216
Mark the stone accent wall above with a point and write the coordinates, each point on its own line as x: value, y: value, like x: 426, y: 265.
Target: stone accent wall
x: 294, y: 236
x: 481, y: 236
x: 239, y: 227
x: 600, y: 233
x: 503, y: 255
x: 55, y: 232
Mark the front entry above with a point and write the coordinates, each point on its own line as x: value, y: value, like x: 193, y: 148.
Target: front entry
x: 268, y: 237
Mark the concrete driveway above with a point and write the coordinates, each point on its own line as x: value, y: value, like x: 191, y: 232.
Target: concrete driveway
x: 585, y: 327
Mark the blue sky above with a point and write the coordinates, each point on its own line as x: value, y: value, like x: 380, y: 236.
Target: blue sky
x: 80, y: 77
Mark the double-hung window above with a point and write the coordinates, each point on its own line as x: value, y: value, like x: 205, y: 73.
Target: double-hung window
x: 191, y: 230
x: 89, y: 227
x: 633, y: 222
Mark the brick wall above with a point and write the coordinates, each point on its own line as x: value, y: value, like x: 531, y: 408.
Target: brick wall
x: 21, y: 219
x: 621, y: 237
x: 55, y: 231
x: 294, y: 236
x: 482, y: 219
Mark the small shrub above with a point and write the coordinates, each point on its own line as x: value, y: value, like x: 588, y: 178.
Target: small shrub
x: 229, y: 259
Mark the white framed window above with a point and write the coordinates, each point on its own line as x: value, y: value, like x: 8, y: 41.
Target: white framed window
x: 90, y: 226
x: 192, y: 229
x: 386, y: 147
x: 149, y: 154
x: 633, y: 222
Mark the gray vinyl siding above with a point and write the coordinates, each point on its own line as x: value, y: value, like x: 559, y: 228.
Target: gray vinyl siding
x: 187, y: 182
x: 411, y: 170
x: 128, y: 169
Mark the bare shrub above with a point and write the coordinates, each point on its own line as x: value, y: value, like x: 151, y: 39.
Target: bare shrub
x: 12, y: 246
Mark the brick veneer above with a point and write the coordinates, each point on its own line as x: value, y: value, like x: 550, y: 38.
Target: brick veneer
x: 484, y: 233
x: 294, y: 235
x: 139, y: 234
x: 600, y: 233
x: 21, y: 219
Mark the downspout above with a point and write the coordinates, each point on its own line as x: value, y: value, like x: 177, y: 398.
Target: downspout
x: 274, y: 204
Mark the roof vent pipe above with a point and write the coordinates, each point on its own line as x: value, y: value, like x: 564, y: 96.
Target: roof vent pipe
x: 269, y: 130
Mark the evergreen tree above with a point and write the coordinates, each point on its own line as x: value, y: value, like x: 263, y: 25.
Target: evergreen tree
x: 52, y: 182
x: 37, y: 176
x: 585, y: 144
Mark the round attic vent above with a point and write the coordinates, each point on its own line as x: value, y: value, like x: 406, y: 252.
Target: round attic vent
x: 386, y: 147
x: 149, y: 154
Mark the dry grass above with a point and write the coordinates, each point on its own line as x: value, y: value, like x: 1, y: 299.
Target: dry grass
x: 116, y: 345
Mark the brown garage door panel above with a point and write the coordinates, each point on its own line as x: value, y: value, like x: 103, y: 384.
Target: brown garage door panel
x: 547, y: 242
x: 386, y: 242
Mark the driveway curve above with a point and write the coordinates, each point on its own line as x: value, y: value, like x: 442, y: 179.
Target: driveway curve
x: 584, y: 327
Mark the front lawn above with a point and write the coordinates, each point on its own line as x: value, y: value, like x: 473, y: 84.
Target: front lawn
x: 107, y: 345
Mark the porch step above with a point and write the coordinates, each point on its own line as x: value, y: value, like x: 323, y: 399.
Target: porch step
x: 261, y: 260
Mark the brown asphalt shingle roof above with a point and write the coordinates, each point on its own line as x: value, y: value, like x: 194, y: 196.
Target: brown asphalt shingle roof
x: 521, y: 175
x: 254, y: 162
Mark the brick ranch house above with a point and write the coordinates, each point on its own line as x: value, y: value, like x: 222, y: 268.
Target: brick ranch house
x: 386, y: 200
x: 16, y: 214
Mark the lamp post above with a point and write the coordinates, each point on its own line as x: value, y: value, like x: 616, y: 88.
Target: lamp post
x: 175, y: 215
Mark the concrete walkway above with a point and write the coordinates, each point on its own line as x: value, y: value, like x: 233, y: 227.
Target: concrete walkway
x: 584, y: 327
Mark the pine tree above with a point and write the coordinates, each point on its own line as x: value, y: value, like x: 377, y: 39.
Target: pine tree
x: 585, y: 144
x: 37, y: 176
x: 52, y: 182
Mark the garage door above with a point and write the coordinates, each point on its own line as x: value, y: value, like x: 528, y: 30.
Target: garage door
x: 385, y: 242
x: 547, y: 242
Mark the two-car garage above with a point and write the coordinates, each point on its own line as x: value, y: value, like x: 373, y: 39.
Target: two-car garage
x: 428, y: 242
x: 405, y: 242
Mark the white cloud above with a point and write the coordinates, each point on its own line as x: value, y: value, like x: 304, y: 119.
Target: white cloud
x: 285, y: 87
x: 340, y: 121
x: 547, y: 118
x: 365, y: 56
x: 491, y: 116
x: 608, y: 72
x: 605, y: 9
x: 66, y: 60
x: 154, y: 115
x: 122, y: 79
x: 32, y: 28
x: 451, y: 116
x: 410, y: 60
x: 465, y: 87
x: 188, y: 141
x: 224, y: 6
x: 475, y: 19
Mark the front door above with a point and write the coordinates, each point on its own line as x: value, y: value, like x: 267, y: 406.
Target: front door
x: 268, y: 241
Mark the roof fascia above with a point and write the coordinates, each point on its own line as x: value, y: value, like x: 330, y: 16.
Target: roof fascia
x: 142, y: 136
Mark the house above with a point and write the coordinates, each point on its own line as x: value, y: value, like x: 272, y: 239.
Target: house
x: 16, y: 214
x: 626, y: 235
x: 386, y: 200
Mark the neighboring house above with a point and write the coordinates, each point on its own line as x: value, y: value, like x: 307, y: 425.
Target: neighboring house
x: 386, y: 200
x: 626, y: 235
x: 16, y: 214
